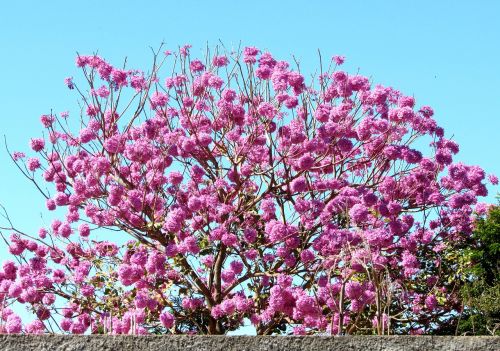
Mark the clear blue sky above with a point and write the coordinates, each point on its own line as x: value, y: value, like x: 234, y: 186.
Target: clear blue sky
x: 445, y: 53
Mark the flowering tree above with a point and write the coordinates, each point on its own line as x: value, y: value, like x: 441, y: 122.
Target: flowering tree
x: 247, y: 192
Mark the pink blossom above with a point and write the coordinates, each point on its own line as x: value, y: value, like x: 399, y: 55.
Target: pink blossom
x: 431, y: 302
x: 338, y: 59
x: 69, y: 82
x: 13, y: 324
x: 35, y: 327
x: 37, y: 144
x: 17, y: 155
x: 103, y: 91
x: 33, y: 164
x: 47, y: 120
x: 220, y: 61
x: 358, y: 213
x: 158, y: 99
x: 196, y: 66
x: 175, y: 178
x: 84, y: 230
x: 184, y: 50
x: 167, y: 320
x: 249, y: 54
x: 9, y: 270
x: 306, y: 256
x: 268, y: 110
x: 306, y: 162
x: 51, y: 204
x: 353, y: 290
x: 119, y: 77
x: 237, y: 267
x: 298, y: 185
x: 493, y: 179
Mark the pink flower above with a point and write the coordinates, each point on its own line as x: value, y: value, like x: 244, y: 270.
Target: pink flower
x: 9, y: 270
x: 338, y: 59
x: 228, y: 307
x: 173, y: 222
x: 78, y: 328
x: 267, y: 206
x: 114, y: 144
x: 267, y: 109
x: 35, y: 327
x: 306, y: 162
x: 13, y: 325
x: 410, y: 263
x: 229, y: 239
x: 43, y: 313
x: 298, y: 185
x: 431, y: 302
x: 158, y: 99
x: 220, y: 61
x: 103, y: 91
x: 340, y: 76
x: 306, y: 256
x: 250, y: 234
x: 37, y: 144
x: 228, y: 95
x: 237, y: 267
x: 249, y: 54
x: 69, y: 82
x: 66, y: 324
x: 82, y: 61
x: 61, y: 199
x: 167, y: 319
x: 47, y: 120
x: 51, y: 205
x: 196, y: 66
x: 251, y: 254
x: 427, y: 111
x: 119, y: 77
x: 358, y: 213
x: 33, y: 164
x: 92, y: 110
x: 17, y: 155
x: 84, y: 230
x: 184, y: 50
x: 204, y: 139
x: 493, y: 179
x: 86, y: 135
x: 481, y: 208
x: 141, y: 300
x: 299, y: 330
x: 353, y: 290
x: 64, y: 230
x: 175, y: 178
x: 15, y: 290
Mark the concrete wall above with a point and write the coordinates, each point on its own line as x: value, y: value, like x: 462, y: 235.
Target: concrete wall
x: 246, y: 343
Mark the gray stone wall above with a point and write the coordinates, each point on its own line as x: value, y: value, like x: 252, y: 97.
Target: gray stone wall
x: 246, y: 343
